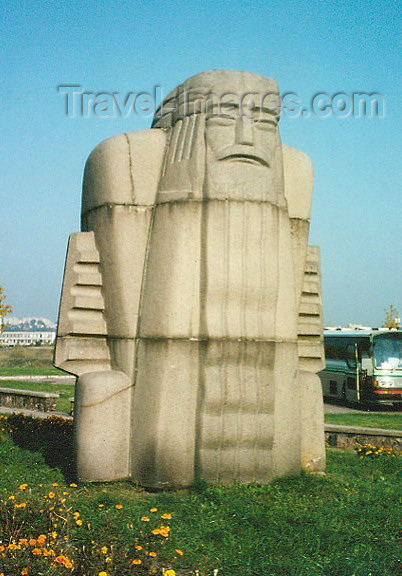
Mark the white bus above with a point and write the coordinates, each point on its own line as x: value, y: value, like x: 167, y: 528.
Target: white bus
x: 363, y: 365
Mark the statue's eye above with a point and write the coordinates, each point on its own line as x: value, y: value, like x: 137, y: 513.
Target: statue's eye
x: 265, y: 124
x: 220, y: 120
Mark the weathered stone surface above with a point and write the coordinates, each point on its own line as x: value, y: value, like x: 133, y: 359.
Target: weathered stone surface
x: 205, y: 300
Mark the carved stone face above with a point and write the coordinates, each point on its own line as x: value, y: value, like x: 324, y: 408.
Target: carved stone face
x: 241, y: 153
x: 235, y: 137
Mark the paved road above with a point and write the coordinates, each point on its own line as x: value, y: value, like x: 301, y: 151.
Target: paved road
x: 338, y: 408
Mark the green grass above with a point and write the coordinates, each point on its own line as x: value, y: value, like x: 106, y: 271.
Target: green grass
x: 65, y: 391
x: 40, y: 370
x: 391, y: 421
x: 345, y: 523
x: 27, y: 360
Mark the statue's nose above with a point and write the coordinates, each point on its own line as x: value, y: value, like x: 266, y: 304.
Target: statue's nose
x: 244, y: 131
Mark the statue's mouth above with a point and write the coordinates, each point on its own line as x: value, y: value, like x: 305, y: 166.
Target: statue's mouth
x: 244, y: 154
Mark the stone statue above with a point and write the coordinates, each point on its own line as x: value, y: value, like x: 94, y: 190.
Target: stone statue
x: 191, y: 305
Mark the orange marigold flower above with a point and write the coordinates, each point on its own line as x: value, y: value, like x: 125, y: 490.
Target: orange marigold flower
x: 51, y: 494
x: 166, y: 516
x: 37, y: 551
x: 23, y: 542
x: 153, y: 554
x: 41, y: 539
x: 22, y: 505
x: 24, y: 571
x: 13, y: 547
x: 49, y: 552
x: 138, y: 547
x: 54, y: 484
x: 119, y: 506
x: 144, y: 519
x: 73, y: 485
x: 63, y: 560
x: 23, y: 486
x: 32, y: 542
x: 137, y: 561
x: 153, y: 510
x: 179, y: 552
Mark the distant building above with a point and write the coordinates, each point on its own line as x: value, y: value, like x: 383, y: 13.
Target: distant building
x: 27, y: 338
x: 30, y: 324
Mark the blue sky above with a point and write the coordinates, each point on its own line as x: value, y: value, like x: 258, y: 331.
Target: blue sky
x: 129, y: 46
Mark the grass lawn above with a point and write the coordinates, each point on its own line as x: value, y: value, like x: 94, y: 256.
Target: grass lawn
x: 27, y: 361
x: 391, y: 421
x: 65, y: 391
x: 345, y: 523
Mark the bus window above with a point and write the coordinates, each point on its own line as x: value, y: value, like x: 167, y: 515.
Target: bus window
x: 388, y: 352
x: 351, y: 356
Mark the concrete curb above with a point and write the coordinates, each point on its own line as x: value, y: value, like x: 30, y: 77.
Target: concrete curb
x: 338, y: 436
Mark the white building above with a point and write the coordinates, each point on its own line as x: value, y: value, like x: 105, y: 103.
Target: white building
x: 27, y: 338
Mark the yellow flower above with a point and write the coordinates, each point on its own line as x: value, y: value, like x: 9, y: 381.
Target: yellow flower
x: 179, y: 552
x: 119, y: 506
x: 169, y: 573
x: 51, y: 494
x: 22, y: 505
x: 101, y: 505
x: 24, y: 571
x: 104, y: 549
x: 138, y: 547
x: 55, y: 484
x: 108, y: 559
x: 11, y: 497
x: 137, y: 561
x: 153, y: 510
x: 76, y: 515
x: 78, y: 522
x: 166, y: 516
x: 53, y: 534
x: 73, y: 485
x: 23, y: 486
x: 102, y: 574
x: 145, y: 519
x: 13, y: 547
x: 153, y: 554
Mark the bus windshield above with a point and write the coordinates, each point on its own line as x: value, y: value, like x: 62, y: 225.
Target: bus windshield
x: 388, y: 351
